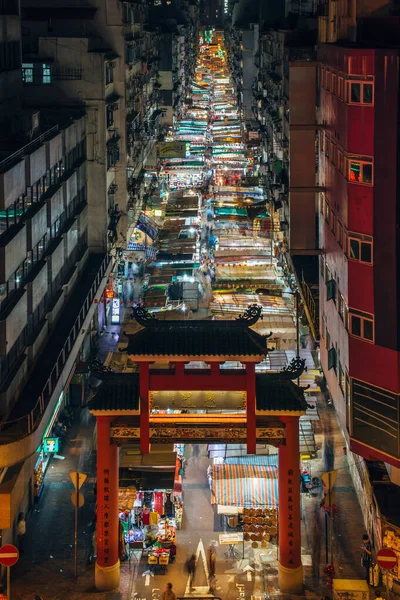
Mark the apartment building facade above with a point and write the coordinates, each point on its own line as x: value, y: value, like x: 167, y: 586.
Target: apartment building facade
x: 46, y: 270
x: 358, y: 149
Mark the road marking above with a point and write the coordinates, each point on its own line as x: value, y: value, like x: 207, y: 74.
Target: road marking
x: 147, y: 580
x: 199, y: 552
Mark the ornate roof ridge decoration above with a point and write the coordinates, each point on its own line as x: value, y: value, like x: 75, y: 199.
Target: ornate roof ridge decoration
x: 143, y: 316
x: 251, y: 315
x: 295, y: 368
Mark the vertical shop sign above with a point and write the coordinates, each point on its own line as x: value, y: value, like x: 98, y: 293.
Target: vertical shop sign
x: 115, y: 310
x: 291, y: 540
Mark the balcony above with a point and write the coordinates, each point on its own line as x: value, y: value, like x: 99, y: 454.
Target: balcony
x: 22, y: 431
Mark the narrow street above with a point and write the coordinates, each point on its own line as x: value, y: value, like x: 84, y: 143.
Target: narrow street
x: 224, y: 242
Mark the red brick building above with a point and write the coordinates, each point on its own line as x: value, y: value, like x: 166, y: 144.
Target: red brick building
x: 359, y: 208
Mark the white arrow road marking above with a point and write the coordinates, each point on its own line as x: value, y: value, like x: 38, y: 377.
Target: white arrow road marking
x: 199, y: 552
x: 248, y: 575
x: 147, y: 580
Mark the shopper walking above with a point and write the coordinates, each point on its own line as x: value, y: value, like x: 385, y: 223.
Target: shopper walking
x: 211, y: 569
x: 366, y: 555
x: 191, y: 569
x: 21, y: 530
x: 168, y: 594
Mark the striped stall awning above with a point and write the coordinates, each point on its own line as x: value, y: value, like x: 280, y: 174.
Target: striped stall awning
x: 247, y: 486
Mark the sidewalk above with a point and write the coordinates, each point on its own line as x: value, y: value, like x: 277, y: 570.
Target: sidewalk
x: 47, y: 565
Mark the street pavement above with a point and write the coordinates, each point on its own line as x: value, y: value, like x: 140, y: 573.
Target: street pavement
x: 47, y: 565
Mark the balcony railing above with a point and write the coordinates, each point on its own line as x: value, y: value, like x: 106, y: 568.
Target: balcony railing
x: 17, y: 426
x: 28, y: 148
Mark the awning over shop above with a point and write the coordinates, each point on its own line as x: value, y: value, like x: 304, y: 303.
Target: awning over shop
x: 156, y: 479
x: 244, y: 485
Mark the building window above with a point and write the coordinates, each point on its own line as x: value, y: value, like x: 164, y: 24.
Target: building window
x: 109, y: 72
x: 360, y: 172
x: 341, y: 307
x: 331, y: 290
x: 27, y: 72
x: 341, y: 378
x: 361, y: 92
x: 110, y: 116
x: 327, y: 339
x: 46, y: 74
x: 333, y: 83
x: 340, y: 87
x: 361, y: 325
x: 332, y: 359
x: 360, y: 249
x: 339, y: 233
x: 322, y: 142
x: 327, y: 211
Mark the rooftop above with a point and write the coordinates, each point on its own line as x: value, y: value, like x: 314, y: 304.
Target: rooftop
x: 274, y: 393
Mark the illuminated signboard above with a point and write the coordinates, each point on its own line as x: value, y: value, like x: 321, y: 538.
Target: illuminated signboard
x: 115, y: 310
x: 50, y: 445
x: 226, y: 5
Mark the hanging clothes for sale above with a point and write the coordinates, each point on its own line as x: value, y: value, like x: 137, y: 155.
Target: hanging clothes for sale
x: 159, y: 502
x: 153, y: 518
x: 146, y: 517
x: 169, y: 509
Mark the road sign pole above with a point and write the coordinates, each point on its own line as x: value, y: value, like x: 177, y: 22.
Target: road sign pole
x: 8, y: 584
x: 76, y: 525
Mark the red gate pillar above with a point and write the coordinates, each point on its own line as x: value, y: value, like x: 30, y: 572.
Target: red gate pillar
x: 107, y: 562
x: 144, y: 375
x: 290, y: 570
x: 251, y: 408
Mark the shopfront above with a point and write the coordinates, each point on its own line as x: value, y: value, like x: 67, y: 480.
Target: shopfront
x: 50, y: 446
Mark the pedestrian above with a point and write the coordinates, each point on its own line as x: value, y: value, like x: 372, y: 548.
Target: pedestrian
x: 190, y: 566
x: 366, y: 555
x: 21, y: 530
x: 211, y: 569
x: 168, y: 594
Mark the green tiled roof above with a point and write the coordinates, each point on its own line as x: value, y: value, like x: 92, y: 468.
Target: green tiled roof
x: 275, y: 393
x: 117, y: 392
x: 197, y: 338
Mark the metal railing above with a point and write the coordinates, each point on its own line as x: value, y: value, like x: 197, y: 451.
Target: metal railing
x: 29, y: 147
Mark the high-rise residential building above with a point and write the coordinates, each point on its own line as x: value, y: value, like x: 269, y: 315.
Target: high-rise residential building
x: 358, y: 149
x: 285, y: 107
x: 70, y: 174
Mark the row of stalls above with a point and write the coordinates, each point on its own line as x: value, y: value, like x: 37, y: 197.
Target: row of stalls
x: 151, y: 504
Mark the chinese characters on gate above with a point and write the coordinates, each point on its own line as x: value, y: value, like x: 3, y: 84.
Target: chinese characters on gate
x: 290, y: 517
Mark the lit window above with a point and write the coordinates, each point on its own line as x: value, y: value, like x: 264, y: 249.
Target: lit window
x: 360, y: 249
x: 46, y: 74
x: 341, y: 378
x: 341, y: 307
x: 361, y: 325
x: 360, y: 172
x: 27, y: 72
